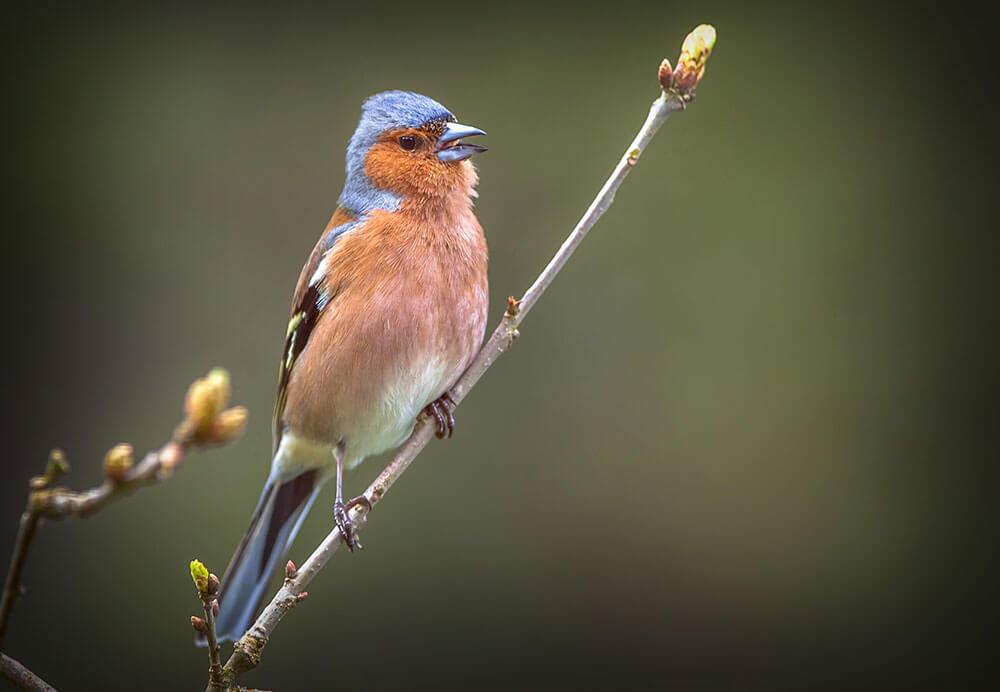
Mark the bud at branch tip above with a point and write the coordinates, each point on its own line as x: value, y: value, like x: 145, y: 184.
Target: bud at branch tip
x: 199, y: 575
x: 695, y: 51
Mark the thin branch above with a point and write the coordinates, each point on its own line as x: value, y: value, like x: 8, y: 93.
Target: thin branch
x: 22, y: 677
x: 214, y: 660
x: 678, y: 87
x: 207, y: 585
x: 12, y: 585
x: 207, y: 423
x: 47, y: 501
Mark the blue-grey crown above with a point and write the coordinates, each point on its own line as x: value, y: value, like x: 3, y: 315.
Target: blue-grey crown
x: 394, y: 109
x: 388, y: 110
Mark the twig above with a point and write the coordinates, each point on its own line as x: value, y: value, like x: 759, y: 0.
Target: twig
x: 678, y: 87
x: 207, y: 585
x: 214, y: 660
x: 22, y: 677
x: 12, y: 585
x: 207, y: 423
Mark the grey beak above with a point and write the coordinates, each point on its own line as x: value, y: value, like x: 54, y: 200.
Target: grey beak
x: 460, y: 151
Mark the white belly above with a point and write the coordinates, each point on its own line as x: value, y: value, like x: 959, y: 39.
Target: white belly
x: 385, y: 428
x: 405, y: 397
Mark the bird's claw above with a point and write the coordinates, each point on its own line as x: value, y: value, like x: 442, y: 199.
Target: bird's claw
x: 348, y: 529
x: 441, y: 411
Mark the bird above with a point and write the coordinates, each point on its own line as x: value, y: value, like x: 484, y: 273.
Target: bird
x: 389, y: 310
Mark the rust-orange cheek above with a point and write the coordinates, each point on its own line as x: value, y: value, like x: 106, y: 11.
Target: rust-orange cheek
x: 416, y: 173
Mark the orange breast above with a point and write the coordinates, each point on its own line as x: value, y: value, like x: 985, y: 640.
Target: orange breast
x: 407, y: 315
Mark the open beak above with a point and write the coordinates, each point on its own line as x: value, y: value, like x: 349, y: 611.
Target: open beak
x: 452, y: 148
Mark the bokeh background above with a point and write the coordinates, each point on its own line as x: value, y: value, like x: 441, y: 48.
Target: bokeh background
x: 735, y: 448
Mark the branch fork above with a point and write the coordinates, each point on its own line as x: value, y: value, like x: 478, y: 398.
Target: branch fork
x: 207, y: 422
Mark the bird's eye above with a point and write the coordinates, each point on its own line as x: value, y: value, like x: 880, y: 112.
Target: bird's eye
x: 408, y: 142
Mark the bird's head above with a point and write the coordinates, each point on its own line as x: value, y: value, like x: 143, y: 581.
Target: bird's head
x: 407, y: 146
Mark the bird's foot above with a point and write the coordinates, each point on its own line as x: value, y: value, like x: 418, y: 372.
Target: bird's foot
x: 342, y: 517
x: 441, y: 411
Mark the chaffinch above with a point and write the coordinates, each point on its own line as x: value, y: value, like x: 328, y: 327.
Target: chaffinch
x: 389, y: 310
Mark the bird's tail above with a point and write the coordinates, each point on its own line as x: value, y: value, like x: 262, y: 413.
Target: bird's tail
x: 280, y: 511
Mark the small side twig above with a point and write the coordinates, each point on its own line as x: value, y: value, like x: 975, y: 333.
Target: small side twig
x: 207, y: 422
x: 207, y: 585
x: 678, y: 89
x: 12, y: 584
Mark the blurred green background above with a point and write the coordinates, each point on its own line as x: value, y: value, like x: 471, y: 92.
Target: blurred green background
x: 732, y: 448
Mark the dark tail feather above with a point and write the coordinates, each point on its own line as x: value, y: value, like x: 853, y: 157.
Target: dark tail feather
x: 279, y: 514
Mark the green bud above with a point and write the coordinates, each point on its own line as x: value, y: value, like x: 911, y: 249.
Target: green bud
x: 199, y: 575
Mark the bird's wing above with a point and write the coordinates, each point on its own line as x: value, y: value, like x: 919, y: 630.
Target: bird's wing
x: 311, y: 296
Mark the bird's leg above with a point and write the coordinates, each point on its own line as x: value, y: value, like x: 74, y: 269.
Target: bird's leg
x: 441, y: 411
x: 340, y: 509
